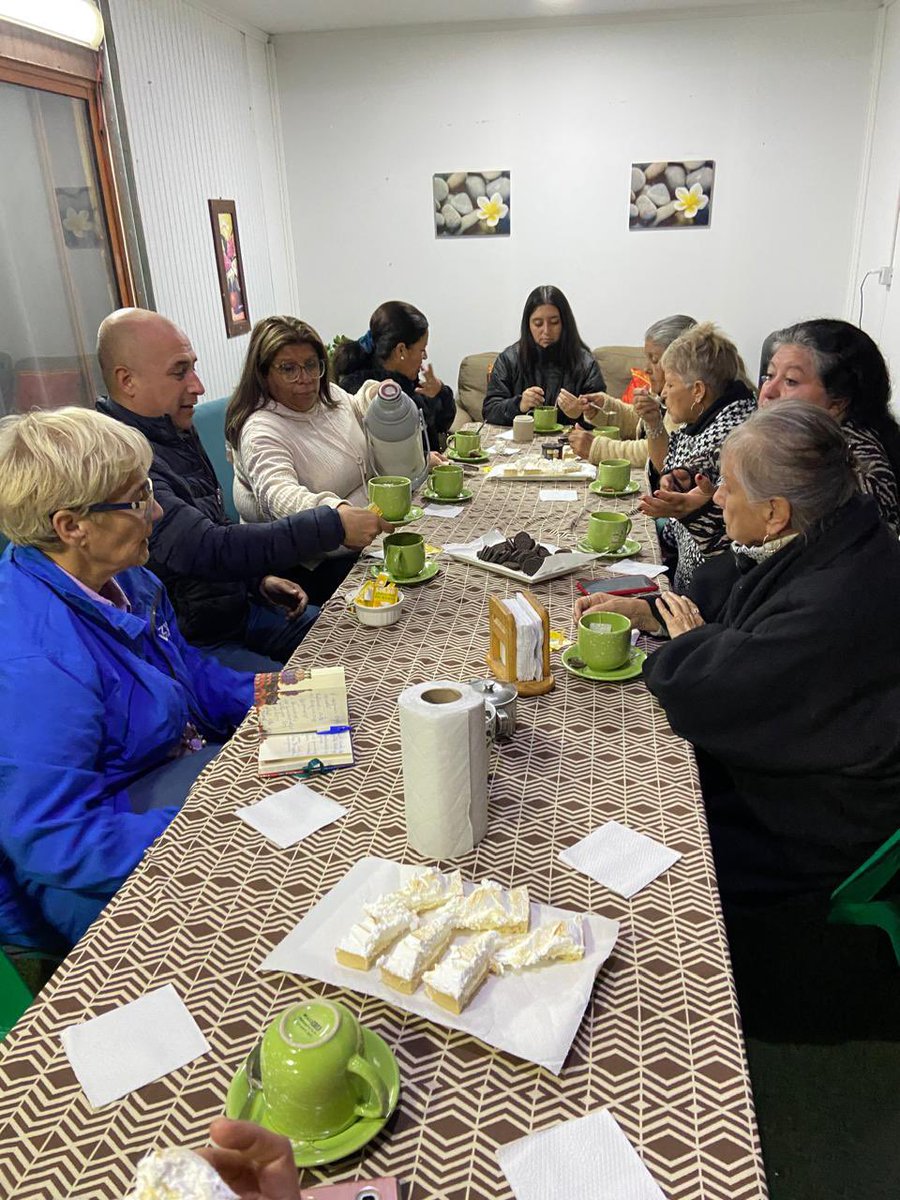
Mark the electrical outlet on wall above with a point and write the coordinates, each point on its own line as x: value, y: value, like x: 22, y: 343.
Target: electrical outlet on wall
x: 886, y: 276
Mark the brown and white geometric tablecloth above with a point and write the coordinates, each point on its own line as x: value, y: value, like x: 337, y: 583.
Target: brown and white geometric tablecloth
x: 660, y: 1044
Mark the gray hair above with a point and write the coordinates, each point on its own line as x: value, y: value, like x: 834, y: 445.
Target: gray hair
x: 796, y: 451
x: 664, y: 332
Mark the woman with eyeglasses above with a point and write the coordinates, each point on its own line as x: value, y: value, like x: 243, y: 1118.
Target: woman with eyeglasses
x: 297, y: 440
x: 395, y: 347
x: 107, y: 715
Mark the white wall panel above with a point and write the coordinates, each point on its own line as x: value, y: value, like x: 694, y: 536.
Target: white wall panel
x: 200, y: 120
x: 779, y: 101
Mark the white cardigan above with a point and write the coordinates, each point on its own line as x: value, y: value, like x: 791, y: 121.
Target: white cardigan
x: 288, y: 461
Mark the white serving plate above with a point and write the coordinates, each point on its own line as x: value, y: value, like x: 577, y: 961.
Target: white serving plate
x: 532, y: 1014
x: 584, y: 473
x: 553, y: 567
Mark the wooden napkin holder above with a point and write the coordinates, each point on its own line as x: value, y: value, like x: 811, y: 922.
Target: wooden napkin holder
x: 501, y: 657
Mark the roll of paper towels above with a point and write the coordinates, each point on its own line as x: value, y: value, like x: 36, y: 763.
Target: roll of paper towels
x: 445, y: 765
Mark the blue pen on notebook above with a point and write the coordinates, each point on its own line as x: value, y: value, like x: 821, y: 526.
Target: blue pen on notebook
x: 333, y: 729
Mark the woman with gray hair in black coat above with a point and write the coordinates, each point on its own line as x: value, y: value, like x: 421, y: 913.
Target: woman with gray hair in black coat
x: 781, y: 669
x: 782, y: 663
x: 781, y: 666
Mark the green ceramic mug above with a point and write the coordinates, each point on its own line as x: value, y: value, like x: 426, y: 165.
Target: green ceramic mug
x: 614, y: 473
x: 404, y: 554
x: 391, y: 495
x: 610, y: 431
x: 544, y: 418
x: 315, y: 1080
x: 604, y: 640
x: 447, y: 481
x: 465, y: 442
x: 608, y: 530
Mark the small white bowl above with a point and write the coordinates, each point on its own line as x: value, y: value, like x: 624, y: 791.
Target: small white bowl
x: 385, y: 614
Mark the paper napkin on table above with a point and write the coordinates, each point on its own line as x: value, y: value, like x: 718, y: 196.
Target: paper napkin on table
x: 132, y: 1045
x: 288, y: 816
x: 619, y: 858
x: 447, y: 511
x: 552, y: 495
x: 631, y: 566
x: 586, y: 1159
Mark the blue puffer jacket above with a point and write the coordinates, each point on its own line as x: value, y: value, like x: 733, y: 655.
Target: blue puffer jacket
x: 90, y: 699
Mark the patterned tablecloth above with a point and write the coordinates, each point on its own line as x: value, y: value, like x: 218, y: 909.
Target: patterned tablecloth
x: 660, y: 1044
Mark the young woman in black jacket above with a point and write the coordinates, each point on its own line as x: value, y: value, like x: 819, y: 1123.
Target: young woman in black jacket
x: 549, y: 364
x: 394, y: 347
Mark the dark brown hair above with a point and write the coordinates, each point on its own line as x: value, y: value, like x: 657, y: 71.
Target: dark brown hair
x: 270, y: 335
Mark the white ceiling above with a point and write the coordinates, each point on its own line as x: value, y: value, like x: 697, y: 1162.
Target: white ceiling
x: 296, y: 16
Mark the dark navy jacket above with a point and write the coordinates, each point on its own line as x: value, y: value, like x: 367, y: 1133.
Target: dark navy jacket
x: 209, y: 565
x: 90, y: 699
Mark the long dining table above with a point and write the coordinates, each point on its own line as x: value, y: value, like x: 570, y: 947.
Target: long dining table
x: 660, y: 1044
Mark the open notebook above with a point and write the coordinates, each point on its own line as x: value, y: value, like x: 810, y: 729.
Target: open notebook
x: 302, y: 716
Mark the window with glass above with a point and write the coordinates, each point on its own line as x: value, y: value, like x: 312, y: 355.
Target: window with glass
x: 62, y: 260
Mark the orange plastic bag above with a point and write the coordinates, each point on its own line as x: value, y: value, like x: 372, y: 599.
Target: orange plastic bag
x: 639, y: 379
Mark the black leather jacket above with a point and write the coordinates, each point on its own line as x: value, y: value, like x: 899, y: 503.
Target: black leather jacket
x: 508, y: 382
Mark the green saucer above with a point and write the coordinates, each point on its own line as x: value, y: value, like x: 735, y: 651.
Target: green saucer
x: 630, y: 488
x: 631, y: 669
x: 312, y: 1154
x: 474, y: 459
x: 412, y: 514
x: 428, y: 572
x: 628, y: 547
x: 557, y: 428
x: 434, y: 498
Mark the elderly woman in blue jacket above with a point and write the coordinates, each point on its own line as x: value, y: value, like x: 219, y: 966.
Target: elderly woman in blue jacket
x: 104, y: 708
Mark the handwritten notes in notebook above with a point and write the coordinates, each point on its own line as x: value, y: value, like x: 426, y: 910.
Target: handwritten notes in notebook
x: 303, y: 716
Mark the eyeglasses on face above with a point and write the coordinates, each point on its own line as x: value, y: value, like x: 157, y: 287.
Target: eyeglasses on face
x: 144, y: 505
x: 291, y: 372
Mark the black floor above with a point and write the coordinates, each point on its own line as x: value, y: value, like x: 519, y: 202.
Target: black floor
x: 829, y: 1119
x: 821, y: 1011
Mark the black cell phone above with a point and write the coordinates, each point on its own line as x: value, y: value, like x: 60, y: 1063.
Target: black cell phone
x: 622, y: 585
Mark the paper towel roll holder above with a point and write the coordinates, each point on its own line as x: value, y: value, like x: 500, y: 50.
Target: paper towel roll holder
x: 501, y: 657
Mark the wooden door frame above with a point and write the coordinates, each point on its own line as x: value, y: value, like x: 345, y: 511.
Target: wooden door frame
x: 37, y: 61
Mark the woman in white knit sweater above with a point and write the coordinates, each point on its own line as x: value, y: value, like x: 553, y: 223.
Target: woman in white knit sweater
x: 297, y: 440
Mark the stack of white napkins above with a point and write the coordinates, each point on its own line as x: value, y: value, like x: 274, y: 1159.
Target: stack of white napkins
x: 619, y: 858
x: 587, y: 1159
x: 529, y: 638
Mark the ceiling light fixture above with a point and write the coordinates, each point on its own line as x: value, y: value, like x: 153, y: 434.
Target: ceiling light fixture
x: 74, y: 20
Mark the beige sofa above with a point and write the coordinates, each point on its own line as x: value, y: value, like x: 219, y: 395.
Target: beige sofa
x: 614, y: 361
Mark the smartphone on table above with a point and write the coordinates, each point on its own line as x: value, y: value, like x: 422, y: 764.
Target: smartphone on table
x: 622, y: 585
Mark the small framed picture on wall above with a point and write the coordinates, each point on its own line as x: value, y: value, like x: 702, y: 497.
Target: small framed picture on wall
x: 230, y: 267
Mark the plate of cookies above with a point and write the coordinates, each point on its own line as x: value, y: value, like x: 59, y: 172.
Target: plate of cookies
x: 461, y: 953
x: 520, y: 556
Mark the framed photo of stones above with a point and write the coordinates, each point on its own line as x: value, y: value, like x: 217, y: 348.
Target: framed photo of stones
x: 471, y: 204
x: 671, y: 195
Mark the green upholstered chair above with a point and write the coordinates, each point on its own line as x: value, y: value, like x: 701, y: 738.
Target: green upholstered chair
x: 857, y: 902
x: 14, y: 995
x: 209, y: 420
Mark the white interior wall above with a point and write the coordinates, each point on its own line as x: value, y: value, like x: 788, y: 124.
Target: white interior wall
x: 879, y: 242
x: 779, y: 102
x: 198, y: 104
